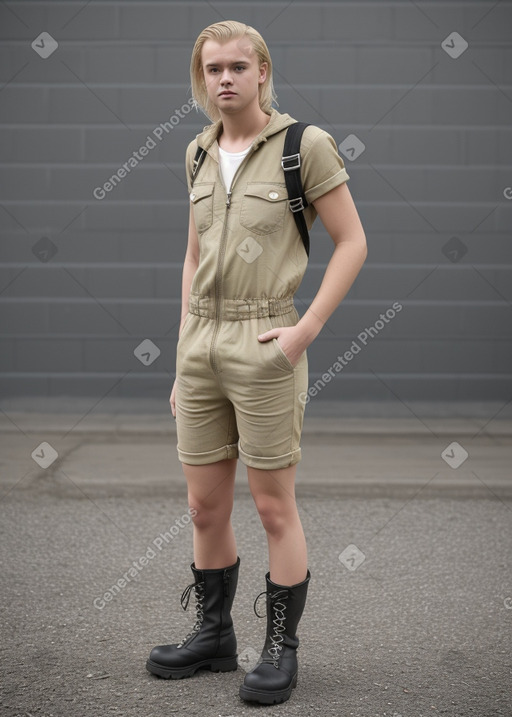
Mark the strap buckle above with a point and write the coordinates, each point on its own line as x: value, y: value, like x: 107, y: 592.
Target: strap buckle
x: 297, y: 205
x: 290, y: 158
x: 197, y: 161
x: 195, y: 167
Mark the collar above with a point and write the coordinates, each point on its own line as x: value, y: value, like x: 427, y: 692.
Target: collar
x: 207, y: 139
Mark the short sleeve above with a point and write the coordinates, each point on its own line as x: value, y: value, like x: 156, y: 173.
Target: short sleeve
x: 322, y: 167
x: 189, y: 162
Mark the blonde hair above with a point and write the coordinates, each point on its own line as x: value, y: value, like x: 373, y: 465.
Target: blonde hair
x: 223, y: 32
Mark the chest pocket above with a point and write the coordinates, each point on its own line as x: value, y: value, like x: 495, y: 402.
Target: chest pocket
x: 201, y: 197
x: 263, y: 207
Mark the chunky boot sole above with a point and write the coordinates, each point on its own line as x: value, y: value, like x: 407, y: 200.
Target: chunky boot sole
x: 267, y: 697
x: 220, y: 664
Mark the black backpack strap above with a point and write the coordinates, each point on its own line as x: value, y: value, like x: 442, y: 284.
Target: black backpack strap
x: 198, y: 160
x: 290, y: 162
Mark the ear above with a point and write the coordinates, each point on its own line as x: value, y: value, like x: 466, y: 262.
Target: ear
x: 263, y: 72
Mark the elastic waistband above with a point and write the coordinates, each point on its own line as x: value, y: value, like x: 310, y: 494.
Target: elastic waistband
x: 236, y: 309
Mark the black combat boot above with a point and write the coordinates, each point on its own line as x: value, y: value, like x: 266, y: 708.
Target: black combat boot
x: 275, y: 675
x: 212, y: 643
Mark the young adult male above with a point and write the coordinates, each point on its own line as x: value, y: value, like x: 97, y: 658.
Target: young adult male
x: 241, y: 355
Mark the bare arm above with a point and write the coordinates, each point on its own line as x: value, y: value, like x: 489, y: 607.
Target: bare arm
x: 339, y: 216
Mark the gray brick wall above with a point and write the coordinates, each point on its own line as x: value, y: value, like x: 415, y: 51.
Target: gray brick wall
x: 84, y: 281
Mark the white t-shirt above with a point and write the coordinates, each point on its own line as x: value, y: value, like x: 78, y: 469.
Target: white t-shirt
x: 229, y: 163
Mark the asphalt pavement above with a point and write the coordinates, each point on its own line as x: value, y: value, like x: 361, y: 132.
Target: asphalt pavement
x: 408, y: 524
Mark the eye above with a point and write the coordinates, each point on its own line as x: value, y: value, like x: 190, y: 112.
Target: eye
x: 237, y: 67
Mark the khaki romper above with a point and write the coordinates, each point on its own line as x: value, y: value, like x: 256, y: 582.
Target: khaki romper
x: 237, y: 396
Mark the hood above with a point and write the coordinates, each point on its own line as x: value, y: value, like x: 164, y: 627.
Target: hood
x: 207, y: 139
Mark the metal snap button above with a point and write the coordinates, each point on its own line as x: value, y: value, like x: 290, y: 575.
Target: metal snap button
x: 273, y: 195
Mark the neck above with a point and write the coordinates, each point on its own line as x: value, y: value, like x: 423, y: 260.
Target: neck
x: 243, y: 126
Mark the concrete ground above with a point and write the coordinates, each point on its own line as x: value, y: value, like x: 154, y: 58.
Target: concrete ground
x: 408, y: 523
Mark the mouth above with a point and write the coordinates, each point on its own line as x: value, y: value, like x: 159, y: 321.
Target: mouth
x: 227, y: 94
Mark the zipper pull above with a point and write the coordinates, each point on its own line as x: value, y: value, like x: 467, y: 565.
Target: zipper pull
x: 228, y: 200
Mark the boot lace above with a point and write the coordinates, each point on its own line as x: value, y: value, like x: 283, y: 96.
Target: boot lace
x: 185, y: 598
x: 278, y: 624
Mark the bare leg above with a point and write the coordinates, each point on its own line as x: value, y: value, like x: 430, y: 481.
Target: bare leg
x: 210, y: 493
x: 274, y: 495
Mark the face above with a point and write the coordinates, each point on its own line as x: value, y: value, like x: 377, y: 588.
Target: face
x: 232, y: 74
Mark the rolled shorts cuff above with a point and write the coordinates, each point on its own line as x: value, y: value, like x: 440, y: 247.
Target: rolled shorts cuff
x: 270, y: 463
x: 201, y: 459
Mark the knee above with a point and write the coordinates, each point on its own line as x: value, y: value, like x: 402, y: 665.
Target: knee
x: 273, y: 514
x: 206, y: 515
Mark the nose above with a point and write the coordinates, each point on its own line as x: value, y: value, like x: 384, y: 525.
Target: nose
x: 226, y: 77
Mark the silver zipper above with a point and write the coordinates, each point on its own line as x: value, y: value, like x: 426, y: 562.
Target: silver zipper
x: 220, y: 260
